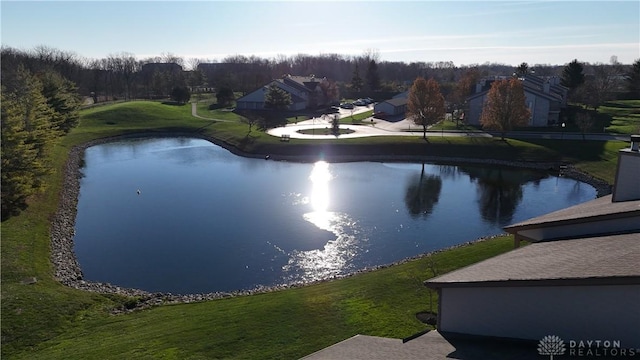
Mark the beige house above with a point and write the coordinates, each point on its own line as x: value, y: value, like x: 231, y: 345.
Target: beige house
x: 306, y: 92
x: 579, y: 279
x: 545, y: 98
x: 391, y: 108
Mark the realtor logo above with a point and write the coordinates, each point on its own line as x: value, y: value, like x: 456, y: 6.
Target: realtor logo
x: 551, y: 345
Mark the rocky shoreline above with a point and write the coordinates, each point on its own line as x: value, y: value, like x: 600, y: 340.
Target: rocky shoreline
x: 62, y: 231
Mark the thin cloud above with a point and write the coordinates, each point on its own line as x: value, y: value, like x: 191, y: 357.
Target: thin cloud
x: 517, y: 47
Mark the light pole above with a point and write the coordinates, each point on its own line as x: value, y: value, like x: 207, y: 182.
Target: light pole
x: 562, y: 135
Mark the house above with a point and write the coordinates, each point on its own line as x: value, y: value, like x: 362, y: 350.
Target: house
x: 306, y: 93
x: 579, y: 279
x: 404, y: 94
x: 391, y: 108
x: 544, y: 97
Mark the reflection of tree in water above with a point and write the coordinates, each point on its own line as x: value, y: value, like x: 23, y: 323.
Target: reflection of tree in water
x: 500, y: 191
x: 448, y: 171
x: 573, y: 195
x: 423, y: 192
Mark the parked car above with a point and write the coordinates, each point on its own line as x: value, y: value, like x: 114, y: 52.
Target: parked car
x: 359, y: 102
x: 347, y: 106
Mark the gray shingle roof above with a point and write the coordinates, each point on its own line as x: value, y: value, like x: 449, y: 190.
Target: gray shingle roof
x: 397, y: 101
x: 601, y: 207
x: 597, y: 258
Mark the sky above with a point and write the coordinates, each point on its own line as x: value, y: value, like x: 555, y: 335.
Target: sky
x: 464, y: 32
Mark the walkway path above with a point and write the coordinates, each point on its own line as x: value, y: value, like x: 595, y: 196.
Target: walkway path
x: 377, y: 127
x: 194, y: 113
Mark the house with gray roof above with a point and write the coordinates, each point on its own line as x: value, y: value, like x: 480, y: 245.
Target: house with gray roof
x: 579, y: 279
x: 391, y: 108
x: 545, y: 98
x: 306, y: 92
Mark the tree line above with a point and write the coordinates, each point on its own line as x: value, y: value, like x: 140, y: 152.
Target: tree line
x: 124, y: 76
x: 38, y: 106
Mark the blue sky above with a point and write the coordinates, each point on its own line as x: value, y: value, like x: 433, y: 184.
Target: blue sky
x: 465, y: 32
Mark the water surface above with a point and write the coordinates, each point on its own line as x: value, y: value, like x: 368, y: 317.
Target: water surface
x: 206, y: 220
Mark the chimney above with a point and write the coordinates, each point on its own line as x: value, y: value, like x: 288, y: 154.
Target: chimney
x: 627, y: 182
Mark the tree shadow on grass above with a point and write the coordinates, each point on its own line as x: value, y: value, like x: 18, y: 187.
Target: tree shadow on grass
x: 505, y: 141
x: 204, y: 127
x: 173, y: 103
x: 248, y: 139
x: 589, y: 150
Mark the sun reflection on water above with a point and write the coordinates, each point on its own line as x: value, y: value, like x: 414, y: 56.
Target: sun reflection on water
x: 320, y: 177
x: 335, y: 257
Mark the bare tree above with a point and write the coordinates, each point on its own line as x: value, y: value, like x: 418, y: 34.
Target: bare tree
x: 193, y: 63
x: 172, y: 59
x: 584, y: 122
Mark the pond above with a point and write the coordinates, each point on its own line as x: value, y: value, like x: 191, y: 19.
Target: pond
x: 183, y: 215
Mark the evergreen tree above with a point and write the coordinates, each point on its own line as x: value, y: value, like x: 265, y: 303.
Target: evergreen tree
x: 505, y: 107
x: 276, y: 98
x: 373, y: 79
x: 225, y: 96
x: 62, y: 97
x: 28, y: 134
x: 572, y: 75
x: 356, y: 80
x: 633, y: 80
x: 180, y: 94
x: 17, y: 154
x: 522, y: 69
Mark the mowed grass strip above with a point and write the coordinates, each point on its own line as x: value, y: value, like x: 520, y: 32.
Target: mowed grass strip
x: 623, y: 116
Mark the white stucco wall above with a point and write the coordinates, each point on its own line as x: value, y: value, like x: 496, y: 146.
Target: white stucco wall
x: 475, y: 110
x: 631, y: 223
x: 539, y: 108
x: 571, y: 312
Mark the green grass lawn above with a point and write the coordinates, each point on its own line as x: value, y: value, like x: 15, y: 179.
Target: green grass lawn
x: 448, y: 125
x: 46, y: 320
x: 621, y: 117
x: 356, y: 118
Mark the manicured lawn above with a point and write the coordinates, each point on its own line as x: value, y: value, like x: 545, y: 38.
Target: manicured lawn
x: 46, y: 320
x: 621, y: 117
x: 356, y: 118
x: 447, y: 125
